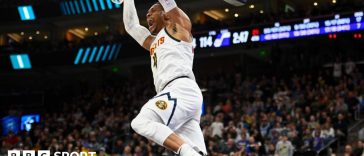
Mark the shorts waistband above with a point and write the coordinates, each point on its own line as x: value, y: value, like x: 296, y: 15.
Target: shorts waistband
x: 173, y: 80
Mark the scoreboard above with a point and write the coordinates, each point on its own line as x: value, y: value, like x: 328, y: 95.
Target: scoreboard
x: 278, y: 31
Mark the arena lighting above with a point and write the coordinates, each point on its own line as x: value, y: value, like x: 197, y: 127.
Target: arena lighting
x: 203, y: 112
x: 87, y: 52
x: 332, y: 36
x: 102, y: 4
x: 95, y: 5
x: 214, y: 14
x: 74, y: 7
x: 89, y: 7
x: 114, y: 47
x: 78, y: 9
x: 78, y: 57
x: 115, y: 69
x: 10, y: 124
x: 20, y: 61
x: 107, y: 49
x: 65, y: 9
x: 97, y: 53
x: 117, y: 5
x: 92, y: 54
x: 358, y: 36
x: 82, y: 6
x: 109, y: 4
x: 28, y: 120
x: 26, y: 13
x: 263, y: 53
x: 236, y: 2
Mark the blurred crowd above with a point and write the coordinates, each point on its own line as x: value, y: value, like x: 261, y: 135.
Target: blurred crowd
x: 273, y: 116
x: 296, y: 115
x: 97, y: 120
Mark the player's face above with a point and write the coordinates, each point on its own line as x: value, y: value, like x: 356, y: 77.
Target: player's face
x: 155, y: 18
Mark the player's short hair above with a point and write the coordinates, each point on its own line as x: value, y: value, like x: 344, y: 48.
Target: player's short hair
x: 158, y: 3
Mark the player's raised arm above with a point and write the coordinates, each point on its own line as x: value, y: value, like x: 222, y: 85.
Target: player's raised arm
x: 176, y: 14
x: 133, y: 27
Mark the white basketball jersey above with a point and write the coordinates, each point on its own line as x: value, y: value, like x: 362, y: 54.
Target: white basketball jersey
x: 170, y: 59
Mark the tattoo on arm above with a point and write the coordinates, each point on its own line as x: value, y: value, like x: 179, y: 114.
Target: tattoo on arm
x: 174, y: 28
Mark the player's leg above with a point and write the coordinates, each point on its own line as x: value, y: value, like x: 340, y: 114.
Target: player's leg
x: 150, y: 125
x: 191, y: 132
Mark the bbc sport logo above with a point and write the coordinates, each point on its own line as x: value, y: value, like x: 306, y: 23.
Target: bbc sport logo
x: 47, y: 153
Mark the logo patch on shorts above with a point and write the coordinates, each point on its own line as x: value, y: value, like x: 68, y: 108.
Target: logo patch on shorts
x: 161, y: 104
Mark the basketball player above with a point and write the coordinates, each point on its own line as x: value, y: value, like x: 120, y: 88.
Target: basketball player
x: 171, y: 118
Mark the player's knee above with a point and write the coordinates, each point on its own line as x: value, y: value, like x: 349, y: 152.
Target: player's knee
x: 138, y: 124
x: 135, y: 124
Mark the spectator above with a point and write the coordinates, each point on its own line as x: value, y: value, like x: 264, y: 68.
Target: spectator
x: 118, y: 147
x: 341, y: 107
x: 341, y: 126
x: 252, y: 146
x: 229, y: 147
x: 312, y: 124
x: 361, y: 134
x: 217, y: 127
x: 349, y: 66
x: 327, y: 133
x: 11, y: 140
x: 270, y: 149
x: 318, y: 142
x: 359, y: 148
x: 231, y: 129
x: 337, y: 72
x: 353, y: 103
x: 348, y: 150
x: 284, y: 147
x: 307, y: 141
x: 127, y: 151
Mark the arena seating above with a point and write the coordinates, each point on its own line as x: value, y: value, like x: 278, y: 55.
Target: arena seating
x: 304, y: 114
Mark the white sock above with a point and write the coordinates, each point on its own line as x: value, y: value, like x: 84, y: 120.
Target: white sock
x: 187, y: 150
x: 180, y: 148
